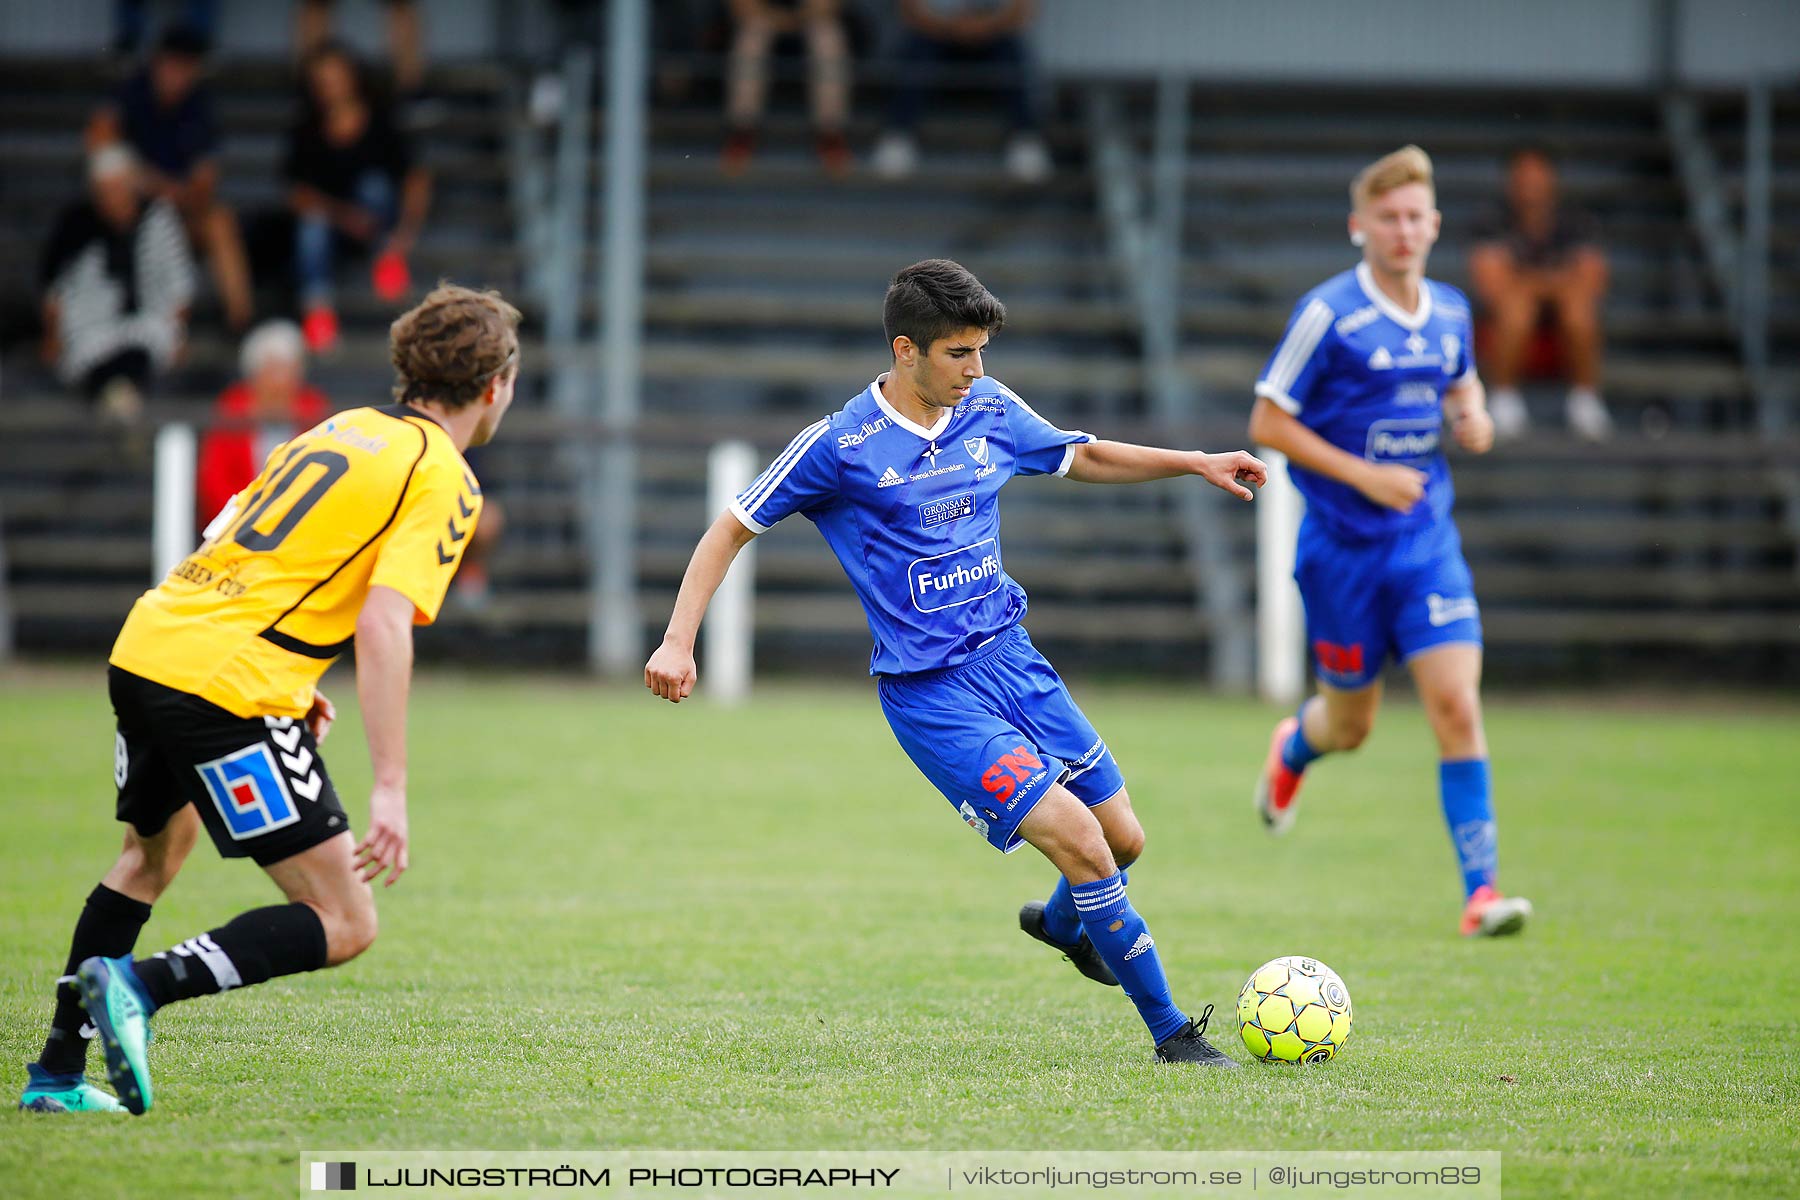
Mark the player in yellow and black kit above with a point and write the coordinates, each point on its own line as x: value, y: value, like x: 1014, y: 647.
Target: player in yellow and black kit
x: 352, y: 532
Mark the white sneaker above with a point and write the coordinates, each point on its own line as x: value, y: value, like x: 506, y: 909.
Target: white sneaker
x: 1028, y: 159
x: 1507, y: 408
x: 896, y: 156
x: 1588, y: 415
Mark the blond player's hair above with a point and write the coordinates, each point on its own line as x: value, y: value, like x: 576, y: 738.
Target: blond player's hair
x: 1408, y: 164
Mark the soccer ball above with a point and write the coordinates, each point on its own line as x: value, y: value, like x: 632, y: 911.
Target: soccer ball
x: 1294, y: 1010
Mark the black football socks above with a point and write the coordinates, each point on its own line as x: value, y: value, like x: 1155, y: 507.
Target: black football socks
x: 254, y: 947
x: 108, y: 926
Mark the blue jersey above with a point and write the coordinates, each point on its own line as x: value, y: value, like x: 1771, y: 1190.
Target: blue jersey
x: 1369, y: 377
x: 913, y: 515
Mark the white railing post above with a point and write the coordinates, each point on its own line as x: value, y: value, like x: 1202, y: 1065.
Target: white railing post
x: 172, y: 522
x: 1280, y: 621
x: 731, y: 620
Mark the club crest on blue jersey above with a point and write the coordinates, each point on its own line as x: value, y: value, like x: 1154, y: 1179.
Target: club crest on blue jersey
x: 978, y: 450
x: 248, y: 789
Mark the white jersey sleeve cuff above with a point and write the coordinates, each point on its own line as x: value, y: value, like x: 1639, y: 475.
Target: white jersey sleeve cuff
x: 1282, y: 400
x: 736, y: 508
x: 1069, y: 453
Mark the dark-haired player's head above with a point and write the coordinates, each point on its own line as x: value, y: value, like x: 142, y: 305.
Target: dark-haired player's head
x: 1531, y: 177
x: 938, y: 318
x: 458, y: 347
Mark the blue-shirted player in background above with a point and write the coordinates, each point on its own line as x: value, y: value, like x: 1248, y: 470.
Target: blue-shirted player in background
x: 904, y: 483
x: 1373, y: 363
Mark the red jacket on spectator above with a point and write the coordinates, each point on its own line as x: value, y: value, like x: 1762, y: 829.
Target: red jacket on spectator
x: 228, y: 458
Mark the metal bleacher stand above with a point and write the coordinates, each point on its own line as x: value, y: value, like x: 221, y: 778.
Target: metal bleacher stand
x: 1147, y: 255
x: 757, y: 308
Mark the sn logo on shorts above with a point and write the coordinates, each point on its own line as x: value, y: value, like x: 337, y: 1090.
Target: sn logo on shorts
x: 248, y: 789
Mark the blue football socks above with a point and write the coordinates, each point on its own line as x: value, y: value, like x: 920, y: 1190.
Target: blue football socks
x: 1061, y: 920
x: 1297, y: 752
x: 1125, y: 944
x: 1469, y: 812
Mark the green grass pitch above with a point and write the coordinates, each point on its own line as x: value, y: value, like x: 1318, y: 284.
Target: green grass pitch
x: 631, y: 925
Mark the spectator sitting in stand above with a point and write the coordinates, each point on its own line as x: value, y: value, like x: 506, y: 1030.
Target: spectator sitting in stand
x: 354, y: 185
x: 759, y: 24
x: 165, y: 114
x: 268, y: 406
x: 131, y: 19
x: 988, y: 33
x: 405, y: 38
x: 117, y: 282
x: 1540, y: 258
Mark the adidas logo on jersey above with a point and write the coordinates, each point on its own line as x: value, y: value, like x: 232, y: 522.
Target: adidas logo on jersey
x: 1381, y: 360
x: 889, y: 478
x: 1144, y: 942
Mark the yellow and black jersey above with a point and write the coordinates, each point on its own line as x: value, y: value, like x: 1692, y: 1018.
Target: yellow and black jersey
x: 250, y: 620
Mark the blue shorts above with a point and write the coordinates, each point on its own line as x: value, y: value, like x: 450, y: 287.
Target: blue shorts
x: 994, y: 733
x: 1365, y: 600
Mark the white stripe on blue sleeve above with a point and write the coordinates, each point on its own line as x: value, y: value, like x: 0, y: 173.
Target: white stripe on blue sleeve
x: 1296, y: 349
x: 752, y: 498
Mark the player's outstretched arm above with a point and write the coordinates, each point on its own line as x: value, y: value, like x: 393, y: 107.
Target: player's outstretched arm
x: 384, y: 656
x: 671, y: 673
x: 1122, y: 462
x: 1391, y: 485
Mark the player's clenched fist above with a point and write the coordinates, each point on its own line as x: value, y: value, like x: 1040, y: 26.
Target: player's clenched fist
x: 1393, y: 486
x: 670, y: 673
x: 1474, y: 431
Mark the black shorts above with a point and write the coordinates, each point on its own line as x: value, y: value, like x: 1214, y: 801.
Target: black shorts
x: 258, y: 782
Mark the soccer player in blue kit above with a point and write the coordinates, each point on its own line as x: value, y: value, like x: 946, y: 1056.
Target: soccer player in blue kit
x: 1374, y: 362
x: 904, y: 484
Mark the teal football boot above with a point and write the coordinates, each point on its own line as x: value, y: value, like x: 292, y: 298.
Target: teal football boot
x: 117, y: 1006
x: 47, y: 1093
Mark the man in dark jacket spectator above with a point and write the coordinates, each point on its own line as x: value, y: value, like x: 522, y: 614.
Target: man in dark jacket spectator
x: 165, y: 114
